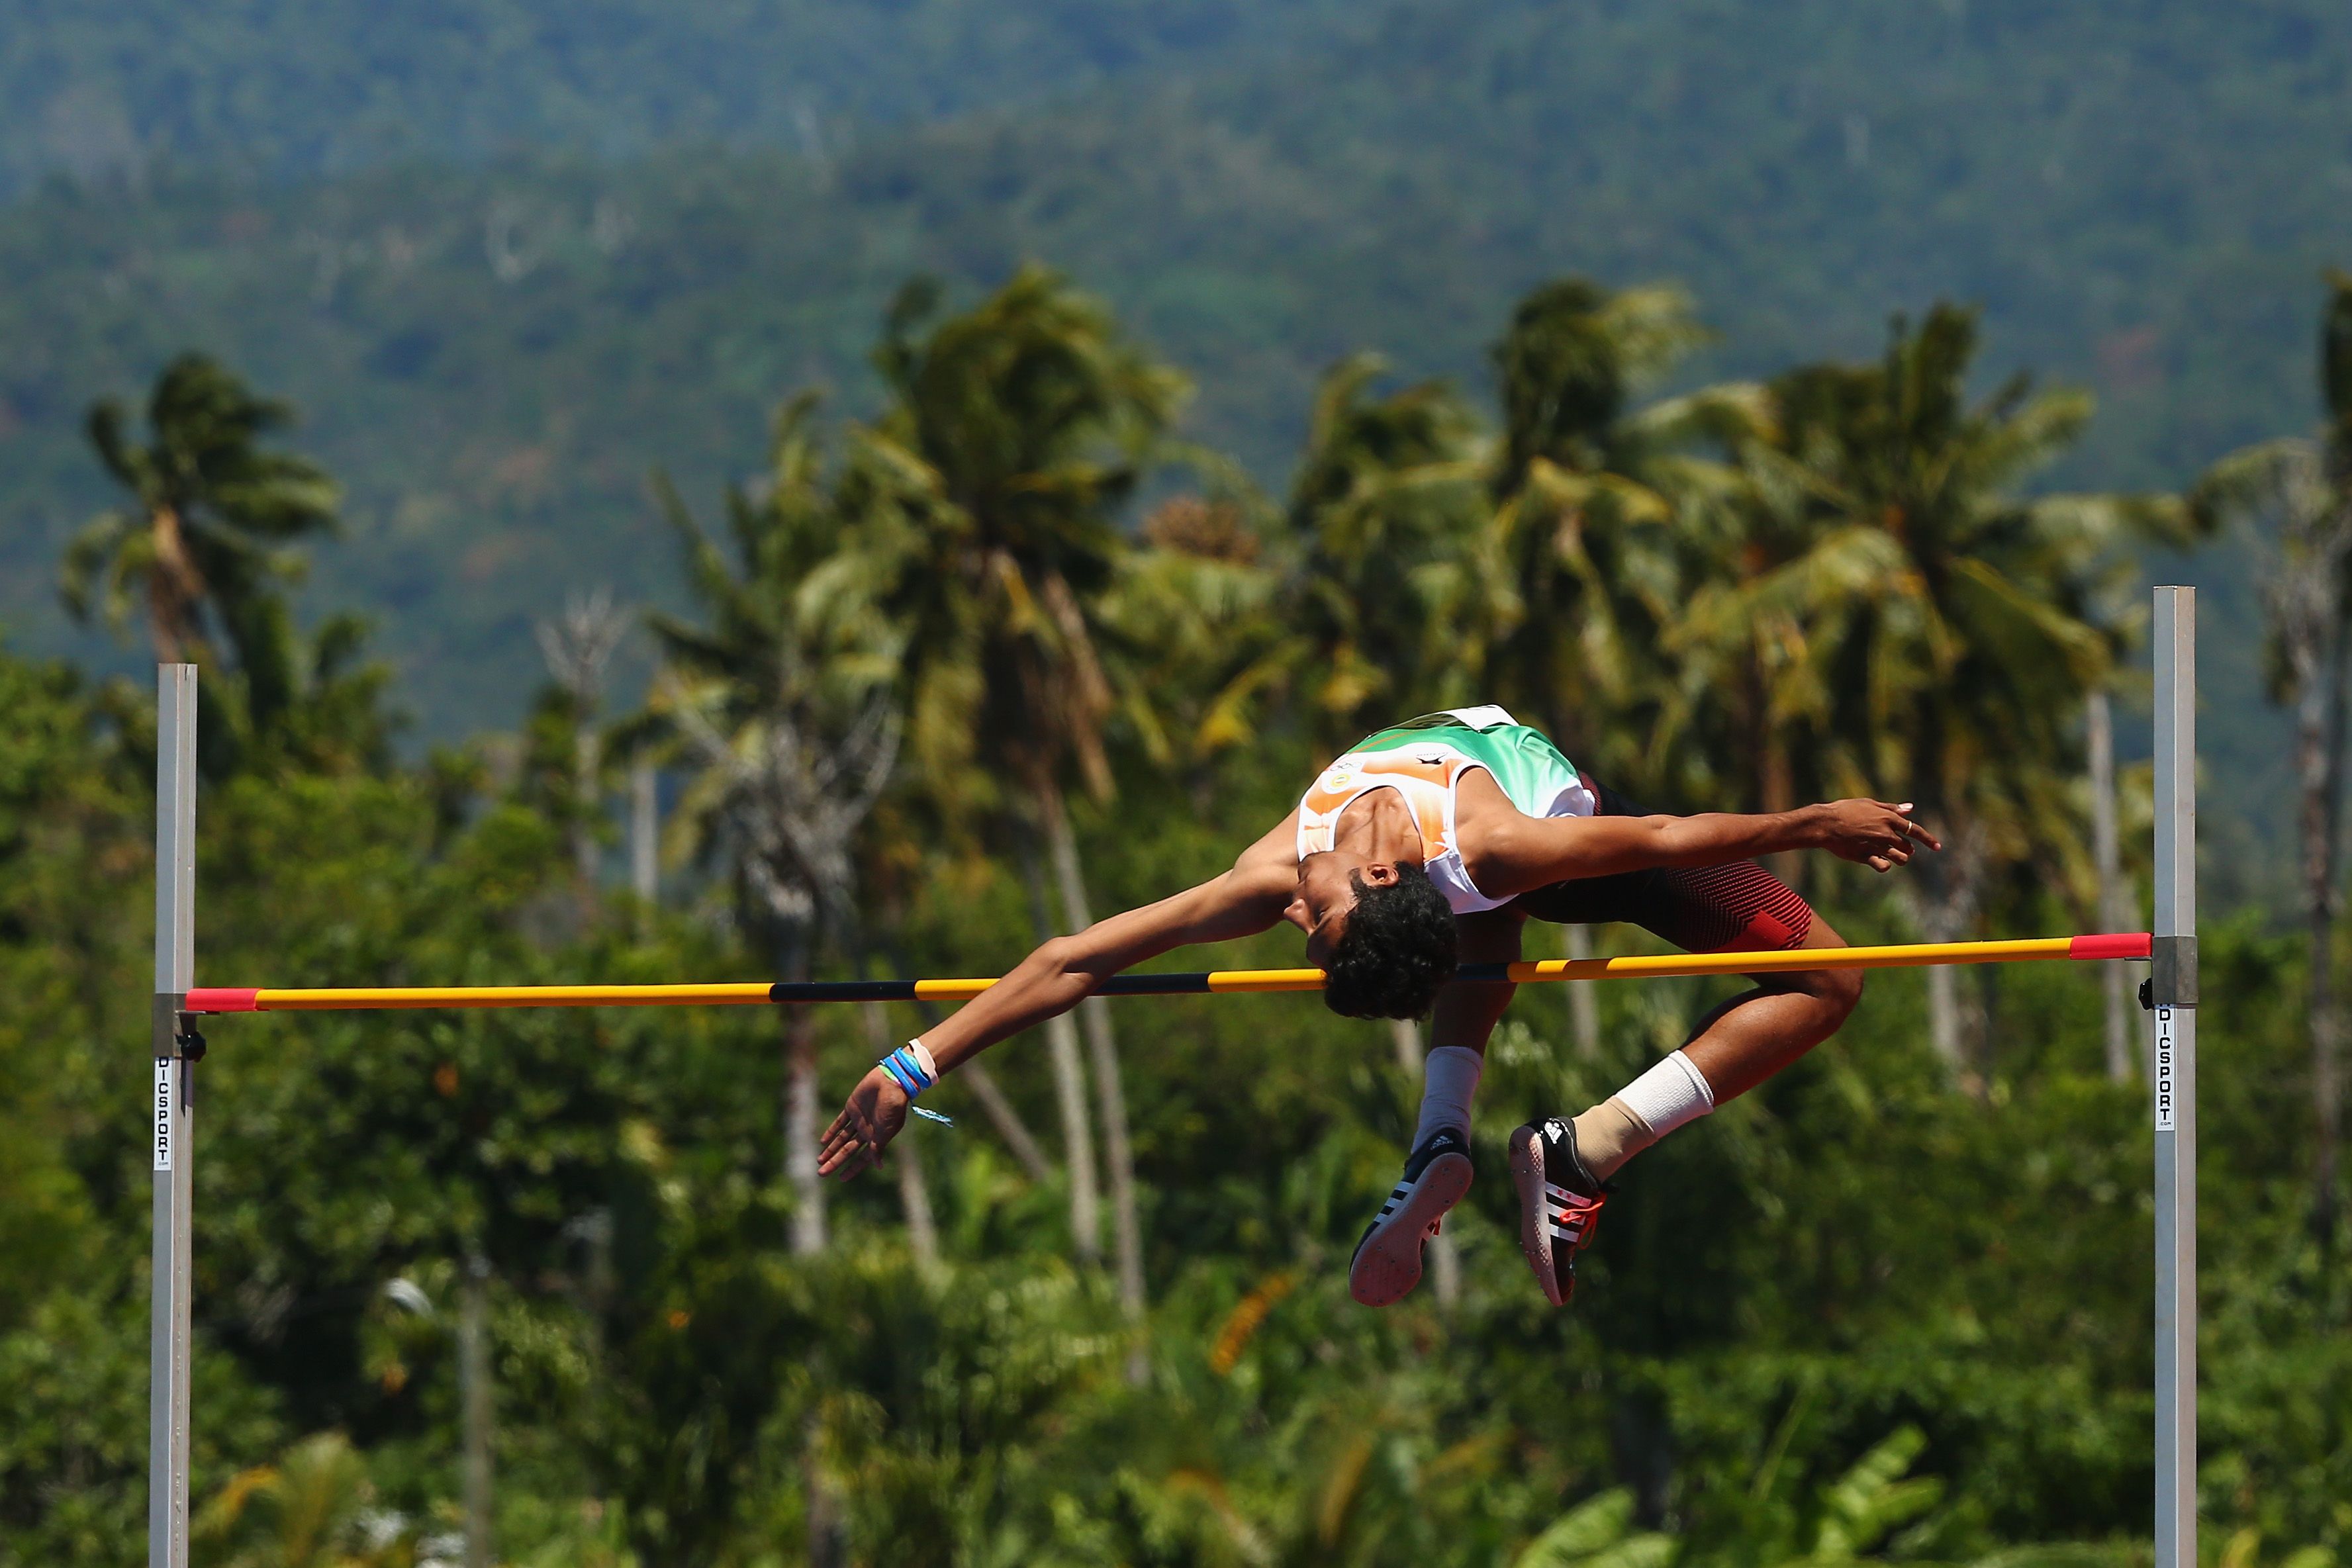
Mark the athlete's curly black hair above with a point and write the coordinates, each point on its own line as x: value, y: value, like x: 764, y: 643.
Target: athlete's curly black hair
x: 1398, y: 948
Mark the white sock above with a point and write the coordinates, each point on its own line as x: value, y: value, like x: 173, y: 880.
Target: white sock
x: 1669, y: 1095
x: 1449, y: 1077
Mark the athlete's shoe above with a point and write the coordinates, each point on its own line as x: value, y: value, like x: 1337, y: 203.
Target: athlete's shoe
x: 1387, y: 1264
x: 1560, y: 1203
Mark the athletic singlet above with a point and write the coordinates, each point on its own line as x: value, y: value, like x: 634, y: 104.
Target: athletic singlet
x: 1423, y: 761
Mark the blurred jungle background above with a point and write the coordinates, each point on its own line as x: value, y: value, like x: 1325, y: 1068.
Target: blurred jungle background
x: 795, y: 487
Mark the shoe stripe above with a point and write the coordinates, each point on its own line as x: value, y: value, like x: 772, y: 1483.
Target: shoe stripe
x: 1563, y: 1193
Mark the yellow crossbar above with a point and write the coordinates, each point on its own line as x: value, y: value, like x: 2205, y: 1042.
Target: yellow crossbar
x: 271, y: 999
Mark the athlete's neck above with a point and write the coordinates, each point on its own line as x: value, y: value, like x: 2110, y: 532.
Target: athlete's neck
x: 1379, y: 826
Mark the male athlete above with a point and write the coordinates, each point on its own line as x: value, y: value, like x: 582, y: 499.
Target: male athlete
x: 1431, y: 843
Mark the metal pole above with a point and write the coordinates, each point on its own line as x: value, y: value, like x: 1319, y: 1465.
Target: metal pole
x: 175, y: 963
x: 2172, y: 988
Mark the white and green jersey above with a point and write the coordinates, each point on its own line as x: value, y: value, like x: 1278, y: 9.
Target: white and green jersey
x: 1423, y: 761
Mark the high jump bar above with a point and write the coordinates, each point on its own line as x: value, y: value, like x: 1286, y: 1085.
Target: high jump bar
x: 268, y: 1000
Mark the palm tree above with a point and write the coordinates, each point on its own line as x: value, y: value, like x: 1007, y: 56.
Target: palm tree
x: 1394, y: 592
x: 1949, y: 629
x: 2297, y: 494
x: 784, y: 705
x: 211, y: 510
x: 1194, y: 633
x: 312, y: 1508
x: 1594, y: 500
x: 1759, y: 567
x: 1017, y: 429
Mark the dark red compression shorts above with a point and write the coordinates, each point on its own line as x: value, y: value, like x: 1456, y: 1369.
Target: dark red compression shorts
x: 1732, y: 908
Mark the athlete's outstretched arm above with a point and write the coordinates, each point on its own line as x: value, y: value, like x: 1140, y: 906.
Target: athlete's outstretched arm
x: 1517, y: 856
x: 1062, y: 973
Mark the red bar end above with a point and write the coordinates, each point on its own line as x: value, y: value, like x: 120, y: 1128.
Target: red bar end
x: 2122, y: 945
x: 224, y: 1000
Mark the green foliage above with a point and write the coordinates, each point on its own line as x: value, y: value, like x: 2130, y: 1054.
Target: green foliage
x: 308, y: 1510
x: 1596, y: 1533
x: 1852, y: 1317
x: 1850, y: 1253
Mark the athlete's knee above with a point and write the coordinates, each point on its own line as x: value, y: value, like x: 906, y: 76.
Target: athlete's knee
x: 1849, y: 990
x: 1838, y: 991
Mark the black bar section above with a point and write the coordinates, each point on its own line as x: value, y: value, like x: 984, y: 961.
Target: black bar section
x: 1117, y: 986
x: 843, y: 991
x: 1153, y: 986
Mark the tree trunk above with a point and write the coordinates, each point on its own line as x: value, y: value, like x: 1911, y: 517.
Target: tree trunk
x: 1776, y: 784
x: 801, y: 1132
x: 1943, y: 897
x: 1944, y: 1016
x: 2099, y: 740
x: 1069, y: 1087
x: 907, y: 1155
x: 1446, y: 1267
x: 644, y: 834
x: 915, y: 1199
x: 473, y: 1396
x: 1102, y: 1047
x: 829, y: 1531
x: 2319, y: 747
x: 801, y: 1112
x: 588, y: 800
x: 1583, y: 1001
x: 1007, y: 1121
x: 174, y: 589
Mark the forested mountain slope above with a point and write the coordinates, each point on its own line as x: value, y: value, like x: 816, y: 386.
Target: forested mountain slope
x: 495, y: 352
x: 288, y: 90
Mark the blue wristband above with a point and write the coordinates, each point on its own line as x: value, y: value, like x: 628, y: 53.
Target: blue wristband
x: 901, y: 1065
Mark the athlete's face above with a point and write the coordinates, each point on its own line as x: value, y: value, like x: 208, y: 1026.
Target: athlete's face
x: 1326, y: 892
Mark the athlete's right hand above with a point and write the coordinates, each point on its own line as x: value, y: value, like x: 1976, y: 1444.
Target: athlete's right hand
x: 1871, y: 833
x: 869, y: 1119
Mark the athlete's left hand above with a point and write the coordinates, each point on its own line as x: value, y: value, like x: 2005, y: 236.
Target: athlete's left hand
x: 872, y: 1116
x: 1875, y: 833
